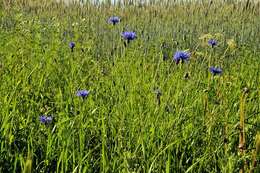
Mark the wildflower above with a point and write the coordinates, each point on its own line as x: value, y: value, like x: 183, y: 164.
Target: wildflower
x: 46, y: 119
x: 231, y: 44
x: 72, y: 45
x: 129, y: 36
x: 205, y: 37
x: 83, y: 93
x: 212, y: 42
x: 218, y: 36
x: 210, y: 39
x: 181, y: 56
x: 114, y: 20
x: 215, y: 70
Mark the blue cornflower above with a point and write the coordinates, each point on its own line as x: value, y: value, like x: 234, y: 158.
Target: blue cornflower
x: 46, y: 119
x: 72, y: 45
x: 129, y: 36
x: 114, y: 20
x: 215, y: 70
x: 181, y: 56
x: 212, y: 42
x: 83, y: 93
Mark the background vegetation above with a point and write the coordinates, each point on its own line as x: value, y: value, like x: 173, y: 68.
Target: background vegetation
x: 144, y: 112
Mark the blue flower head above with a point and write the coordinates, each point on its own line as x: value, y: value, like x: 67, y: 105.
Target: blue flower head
x: 83, y: 93
x: 72, y: 45
x: 114, y: 20
x: 129, y: 36
x: 46, y: 119
x: 181, y: 56
x: 212, y: 42
x: 215, y: 70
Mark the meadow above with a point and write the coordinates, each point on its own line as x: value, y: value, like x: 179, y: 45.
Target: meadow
x: 180, y: 92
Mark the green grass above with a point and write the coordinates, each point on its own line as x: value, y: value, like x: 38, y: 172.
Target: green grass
x: 121, y: 127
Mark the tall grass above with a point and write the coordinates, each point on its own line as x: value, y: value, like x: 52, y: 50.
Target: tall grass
x: 144, y: 113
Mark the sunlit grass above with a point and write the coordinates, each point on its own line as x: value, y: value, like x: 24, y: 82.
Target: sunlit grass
x: 143, y: 112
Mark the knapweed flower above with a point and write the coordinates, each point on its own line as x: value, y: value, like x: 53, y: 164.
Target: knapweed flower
x: 215, y: 70
x: 72, y: 45
x: 82, y: 93
x: 212, y: 42
x: 46, y: 119
x: 181, y: 56
x: 129, y: 36
x: 114, y: 20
